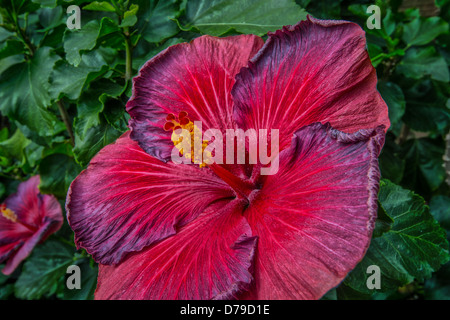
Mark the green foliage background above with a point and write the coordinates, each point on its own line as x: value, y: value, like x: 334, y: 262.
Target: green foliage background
x: 63, y: 92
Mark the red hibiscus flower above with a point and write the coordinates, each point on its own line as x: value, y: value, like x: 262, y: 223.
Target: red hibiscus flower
x: 27, y: 218
x: 162, y: 230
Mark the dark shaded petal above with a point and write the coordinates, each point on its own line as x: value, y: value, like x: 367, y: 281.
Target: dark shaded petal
x: 194, y: 77
x: 37, y: 216
x: 8, y: 248
x: 25, y: 202
x: 210, y: 258
x: 126, y: 200
x: 315, y: 71
x: 314, y: 219
x: 48, y: 227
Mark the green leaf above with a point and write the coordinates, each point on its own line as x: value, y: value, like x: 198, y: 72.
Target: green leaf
x: 115, y: 114
x: 421, y: 31
x: 389, y: 22
x: 88, y: 284
x: 5, y: 34
x: 383, y: 223
x: 3, y: 278
x: 100, y: 6
x: 392, y: 166
x: 426, y: 108
x: 93, y: 139
x: 380, y: 57
x: 440, y: 209
x: 43, y: 269
x: 423, y: 164
x: 413, y: 248
x: 387, y: 27
x: 88, y: 117
x: 24, y: 93
x: 155, y: 19
x: 69, y: 80
x: 63, y: 148
x: 10, y: 61
x: 421, y: 62
x: 13, y: 148
x: 47, y: 3
x: 325, y: 9
x: 129, y: 17
x: 78, y: 41
x: 148, y: 54
x: 6, y: 291
x: 57, y: 172
x: 255, y: 17
x: 438, y: 287
x: 11, y: 47
x: 4, y: 133
x: 21, y: 6
x: 95, y: 127
x: 44, y: 140
x: 100, y: 119
x: 395, y: 100
x: 92, y: 104
x: 33, y: 154
x: 50, y: 18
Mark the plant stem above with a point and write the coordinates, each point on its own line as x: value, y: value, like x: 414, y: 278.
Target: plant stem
x: 128, y: 55
x: 20, y: 32
x: 404, y: 133
x: 65, y: 118
x: 120, y: 9
x: 13, y: 177
x: 61, y: 239
x: 26, y: 41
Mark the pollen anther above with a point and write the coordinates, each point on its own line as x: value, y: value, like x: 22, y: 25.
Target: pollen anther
x: 183, y: 122
x: 8, y: 213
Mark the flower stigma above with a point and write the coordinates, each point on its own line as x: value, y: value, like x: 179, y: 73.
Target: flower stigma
x: 8, y: 213
x: 196, y: 155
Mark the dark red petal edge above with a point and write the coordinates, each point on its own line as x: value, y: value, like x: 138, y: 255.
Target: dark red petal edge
x: 210, y: 258
x: 194, y: 78
x: 314, y: 290
x: 38, y: 216
x: 126, y: 200
x: 48, y: 227
x: 295, y: 60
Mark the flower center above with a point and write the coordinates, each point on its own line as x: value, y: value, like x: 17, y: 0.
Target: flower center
x: 184, y: 123
x: 8, y: 213
x: 244, y: 188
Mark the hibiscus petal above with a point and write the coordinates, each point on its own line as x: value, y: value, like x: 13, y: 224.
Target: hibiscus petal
x: 7, y: 249
x: 315, y: 71
x: 210, y: 258
x: 127, y: 199
x: 47, y: 228
x: 37, y: 216
x: 12, y: 232
x: 194, y: 77
x: 25, y: 202
x: 32, y: 209
x: 314, y: 219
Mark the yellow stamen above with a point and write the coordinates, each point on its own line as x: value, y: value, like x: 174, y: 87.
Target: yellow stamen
x: 196, y: 156
x: 8, y: 213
